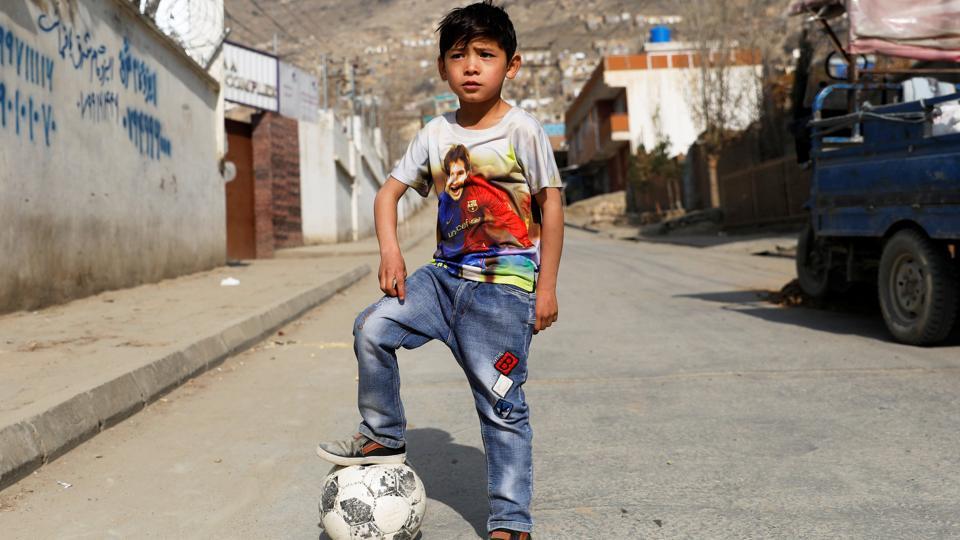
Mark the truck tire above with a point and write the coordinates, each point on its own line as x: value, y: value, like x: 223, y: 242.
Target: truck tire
x: 917, y: 286
x: 813, y: 263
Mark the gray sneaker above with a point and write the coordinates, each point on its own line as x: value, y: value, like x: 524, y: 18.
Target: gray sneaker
x: 359, y: 450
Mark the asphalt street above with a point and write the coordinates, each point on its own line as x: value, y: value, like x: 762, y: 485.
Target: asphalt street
x: 669, y: 401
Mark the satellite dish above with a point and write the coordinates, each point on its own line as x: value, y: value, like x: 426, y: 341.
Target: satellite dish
x: 229, y: 171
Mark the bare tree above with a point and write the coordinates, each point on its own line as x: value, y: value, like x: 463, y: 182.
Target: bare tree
x: 727, y: 34
x: 768, y: 35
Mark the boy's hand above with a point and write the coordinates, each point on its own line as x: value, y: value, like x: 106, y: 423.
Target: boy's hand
x: 546, y: 310
x: 393, y: 273
x: 551, y: 244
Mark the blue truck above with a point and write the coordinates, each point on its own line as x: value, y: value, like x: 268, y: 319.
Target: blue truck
x: 884, y: 207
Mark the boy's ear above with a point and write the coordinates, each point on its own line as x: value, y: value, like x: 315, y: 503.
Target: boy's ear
x: 513, y: 66
x: 442, y: 68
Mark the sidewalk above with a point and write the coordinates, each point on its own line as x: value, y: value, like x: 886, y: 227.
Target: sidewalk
x: 70, y: 371
x: 773, y: 243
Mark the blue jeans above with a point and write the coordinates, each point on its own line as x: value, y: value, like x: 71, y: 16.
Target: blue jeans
x: 488, y: 328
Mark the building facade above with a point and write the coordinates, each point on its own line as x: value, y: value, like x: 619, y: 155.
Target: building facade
x: 642, y: 100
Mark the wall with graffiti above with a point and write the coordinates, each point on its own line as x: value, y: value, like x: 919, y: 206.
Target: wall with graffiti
x: 108, y: 154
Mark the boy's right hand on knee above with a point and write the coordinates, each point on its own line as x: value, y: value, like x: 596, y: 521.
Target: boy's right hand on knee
x: 393, y: 274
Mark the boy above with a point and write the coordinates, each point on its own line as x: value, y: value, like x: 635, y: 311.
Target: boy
x: 486, y: 299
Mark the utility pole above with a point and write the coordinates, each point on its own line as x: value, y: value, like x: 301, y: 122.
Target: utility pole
x: 536, y: 86
x: 323, y: 77
x: 353, y: 87
x: 351, y: 71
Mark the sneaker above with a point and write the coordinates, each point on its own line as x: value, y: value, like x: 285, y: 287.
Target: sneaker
x: 504, y: 534
x: 359, y: 450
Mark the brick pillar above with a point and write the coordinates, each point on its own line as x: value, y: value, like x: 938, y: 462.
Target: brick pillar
x: 276, y: 165
x: 287, y: 224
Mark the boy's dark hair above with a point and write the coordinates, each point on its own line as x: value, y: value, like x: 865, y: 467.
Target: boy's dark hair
x: 480, y: 20
x: 457, y: 153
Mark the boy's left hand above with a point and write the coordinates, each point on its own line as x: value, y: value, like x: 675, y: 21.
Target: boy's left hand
x: 546, y: 310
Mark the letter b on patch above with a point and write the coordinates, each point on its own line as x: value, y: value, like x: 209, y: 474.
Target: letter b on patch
x: 506, y: 363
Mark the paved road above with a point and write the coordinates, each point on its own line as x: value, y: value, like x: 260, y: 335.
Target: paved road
x: 668, y: 402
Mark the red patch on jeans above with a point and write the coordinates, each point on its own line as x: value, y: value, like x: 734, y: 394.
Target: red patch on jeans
x: 506, y: 363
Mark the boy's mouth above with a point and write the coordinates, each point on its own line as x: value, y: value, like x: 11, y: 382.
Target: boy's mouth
x: 471, y: 85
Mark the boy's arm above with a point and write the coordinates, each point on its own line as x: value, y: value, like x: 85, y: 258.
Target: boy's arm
x: 393, y: 270
x: 551, y: 245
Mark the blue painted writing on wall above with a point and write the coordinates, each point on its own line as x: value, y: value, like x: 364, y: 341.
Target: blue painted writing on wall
x: 146, y: 133
x: 32, y: 65
x: 25, y: 115
x: 75, y: 45
x: 99, y: 106
x: 136, y: 71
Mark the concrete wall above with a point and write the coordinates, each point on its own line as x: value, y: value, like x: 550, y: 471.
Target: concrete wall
x: 319, y: 208
x: 344, y: 199
x: 108, y: 155
x: 370, y: 175
x: 339, y: 178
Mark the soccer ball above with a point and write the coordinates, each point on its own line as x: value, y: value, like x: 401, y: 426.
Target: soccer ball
x: 379, y: 502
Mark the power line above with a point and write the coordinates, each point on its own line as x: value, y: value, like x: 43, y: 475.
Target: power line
x: 309, y: 13
x: 241, y: 24
x: 295, y: 18
x: 274, y: 21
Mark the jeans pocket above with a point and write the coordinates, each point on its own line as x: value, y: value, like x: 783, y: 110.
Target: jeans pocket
x: 527, y: 300
x: 518, y: 292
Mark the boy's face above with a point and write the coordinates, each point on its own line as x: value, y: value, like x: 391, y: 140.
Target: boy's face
x: 475, y: 71
x: 458, y: 176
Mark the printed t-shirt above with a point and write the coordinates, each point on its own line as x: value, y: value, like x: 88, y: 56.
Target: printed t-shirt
x: 487, y: 229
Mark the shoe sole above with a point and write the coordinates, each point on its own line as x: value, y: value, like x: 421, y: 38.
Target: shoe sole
x: 366, y: 460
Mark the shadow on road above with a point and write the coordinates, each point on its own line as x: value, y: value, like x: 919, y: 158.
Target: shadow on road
x: 453, y: 474
x: 824, y: 321
x: 728, y: 297
x: 854, y: 313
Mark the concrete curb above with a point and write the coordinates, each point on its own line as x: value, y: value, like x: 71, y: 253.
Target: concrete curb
x: 581, y: 227
x: 29, y: 444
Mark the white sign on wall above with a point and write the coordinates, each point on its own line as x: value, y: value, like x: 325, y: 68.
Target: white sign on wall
x: 250, y: 77
x: 299, y: 93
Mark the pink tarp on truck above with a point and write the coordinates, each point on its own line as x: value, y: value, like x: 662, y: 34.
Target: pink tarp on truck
x: 921, y: 29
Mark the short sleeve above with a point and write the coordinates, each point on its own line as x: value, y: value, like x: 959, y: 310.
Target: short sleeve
x: 535, y: 154
x: 413, y: 169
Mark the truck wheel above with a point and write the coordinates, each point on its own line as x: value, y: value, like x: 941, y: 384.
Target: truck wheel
x: 813, y: 263
x: 918, y: 288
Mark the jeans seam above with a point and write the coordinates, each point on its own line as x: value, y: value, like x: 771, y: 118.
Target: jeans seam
x: 403, y: 336
x: 511, y: 525
x: 486, y: 456
x: 455, y: 306
x: 396, y: 386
